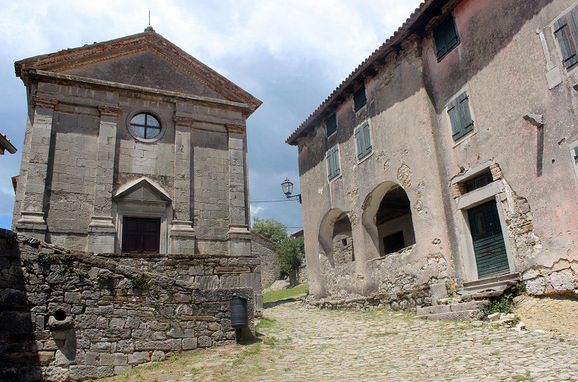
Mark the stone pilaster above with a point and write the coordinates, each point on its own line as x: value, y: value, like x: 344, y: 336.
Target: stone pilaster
x: 101, y: 230
x: 32, y: 220
x: 182, y: 233
x: 239, y: 235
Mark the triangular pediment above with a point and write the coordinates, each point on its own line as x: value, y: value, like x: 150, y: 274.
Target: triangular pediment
x: 146, y: 60
x: 142, y: 190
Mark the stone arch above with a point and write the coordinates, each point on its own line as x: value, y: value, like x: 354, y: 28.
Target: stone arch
x: 335, y: 238
x: 387, y: 218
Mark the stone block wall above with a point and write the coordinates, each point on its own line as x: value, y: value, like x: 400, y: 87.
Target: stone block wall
x: 70, y: 315
x: 265, y: 249
x: 560, y: 278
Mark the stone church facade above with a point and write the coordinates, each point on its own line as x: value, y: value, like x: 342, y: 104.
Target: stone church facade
x: 134, y: 146
x: 449, y: 156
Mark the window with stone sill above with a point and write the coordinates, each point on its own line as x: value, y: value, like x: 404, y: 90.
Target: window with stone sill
x: 145, y: 127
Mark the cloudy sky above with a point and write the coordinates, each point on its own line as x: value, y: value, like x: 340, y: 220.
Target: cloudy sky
x: 290, y: 54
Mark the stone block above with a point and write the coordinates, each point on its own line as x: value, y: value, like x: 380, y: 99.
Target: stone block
x: 56, y: 374
x: 117, y: 323
x: 205, y: 341
x: 91, y: 358
x: 158, y: 356
x: 190, y: 343
x: 214, y: 326
x: 138, y: 358
x: 78, y: 372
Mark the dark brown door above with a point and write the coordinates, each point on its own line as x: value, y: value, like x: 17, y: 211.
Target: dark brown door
x: 141, y: 235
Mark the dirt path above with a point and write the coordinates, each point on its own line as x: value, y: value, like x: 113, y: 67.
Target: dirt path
x: 322, y: 345
x: 554, y: 314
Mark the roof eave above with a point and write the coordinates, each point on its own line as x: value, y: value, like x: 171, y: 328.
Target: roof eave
x: 414, y: 24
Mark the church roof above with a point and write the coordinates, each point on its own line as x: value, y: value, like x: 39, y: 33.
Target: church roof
x: 139, y: 62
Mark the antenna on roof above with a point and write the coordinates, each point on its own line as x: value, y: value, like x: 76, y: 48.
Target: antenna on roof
x: 149, y: 17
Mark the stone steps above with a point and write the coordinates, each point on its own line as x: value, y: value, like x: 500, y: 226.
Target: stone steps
x: 452, y: 310
x: 489, y: 287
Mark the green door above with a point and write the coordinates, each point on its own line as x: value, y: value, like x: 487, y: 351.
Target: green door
x: 489, y: 246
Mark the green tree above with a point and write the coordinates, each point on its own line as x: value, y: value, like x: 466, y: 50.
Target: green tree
x: 291, y: 252
x: 270, y: 228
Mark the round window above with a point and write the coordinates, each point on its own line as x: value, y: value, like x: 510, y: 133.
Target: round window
x: 145, y: 126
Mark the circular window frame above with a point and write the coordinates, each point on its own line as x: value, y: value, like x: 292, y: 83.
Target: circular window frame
x: 135, y: 135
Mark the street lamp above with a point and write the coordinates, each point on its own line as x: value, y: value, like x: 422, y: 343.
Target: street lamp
x: 287, y: 187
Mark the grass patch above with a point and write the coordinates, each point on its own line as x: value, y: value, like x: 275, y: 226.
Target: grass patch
x: 276, y: 295
x: 525, y: 377
x: 265, y: 323
x: 271, y: 341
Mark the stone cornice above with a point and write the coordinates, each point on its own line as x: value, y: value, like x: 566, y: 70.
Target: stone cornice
x: 235, y: 129
x: 183, y: 121
x: 45, y: 102
x: 60, y: 77
x: 109, y: 111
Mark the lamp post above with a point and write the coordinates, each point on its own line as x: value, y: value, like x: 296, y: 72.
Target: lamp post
x: 287, y: 187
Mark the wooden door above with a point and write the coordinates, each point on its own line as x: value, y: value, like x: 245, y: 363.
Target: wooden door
x: 488, y: 240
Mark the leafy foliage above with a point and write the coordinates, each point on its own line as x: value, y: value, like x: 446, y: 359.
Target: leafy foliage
x: 270, y: 228
x: 291, y: 253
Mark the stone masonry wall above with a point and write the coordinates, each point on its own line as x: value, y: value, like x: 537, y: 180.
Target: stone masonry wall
x: 70, y: 315
x: 265, y: 249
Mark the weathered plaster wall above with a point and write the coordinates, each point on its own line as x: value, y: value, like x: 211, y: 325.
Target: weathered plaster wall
x: 75, y: 315
x: 508, y: 76
x: 398, y: 110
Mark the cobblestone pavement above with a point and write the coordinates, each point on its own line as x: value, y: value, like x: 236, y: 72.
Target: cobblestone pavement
x: 323, y: 345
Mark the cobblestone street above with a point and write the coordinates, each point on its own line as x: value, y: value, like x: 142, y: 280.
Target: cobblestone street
x: 324, y: 345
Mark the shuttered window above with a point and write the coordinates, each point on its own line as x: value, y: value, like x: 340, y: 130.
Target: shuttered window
x: 460, y: 117
x: 333, y: 162
x: 566, y: 32
x: 331, y: 124
x: 363, y: 139
x: 446, y: 37
x: 359, y: 98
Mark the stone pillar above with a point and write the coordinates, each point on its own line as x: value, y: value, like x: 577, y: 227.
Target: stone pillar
x: 182, y: 233
x: 101, y: 230
x: 239, y: 235
x: 32, y: 220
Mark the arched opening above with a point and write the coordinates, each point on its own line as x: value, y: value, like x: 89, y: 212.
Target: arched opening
x: 335, y: 238
x: 393, y: 221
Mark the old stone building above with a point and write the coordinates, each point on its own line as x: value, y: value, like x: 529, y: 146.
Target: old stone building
x: 449, y: 156
x: 132, y: 145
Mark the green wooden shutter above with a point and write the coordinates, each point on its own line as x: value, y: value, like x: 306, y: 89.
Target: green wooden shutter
x: 367, y: 138
x: 359, y: 142
x: 333, y: 163
x: 359, y: 98
x: 329, y: 165
x: 565, y: 31
x: 331, y: 124
x: 445, y: 36
x: 455, y: 120
x: 464, y: 112
x: 336, y: 170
